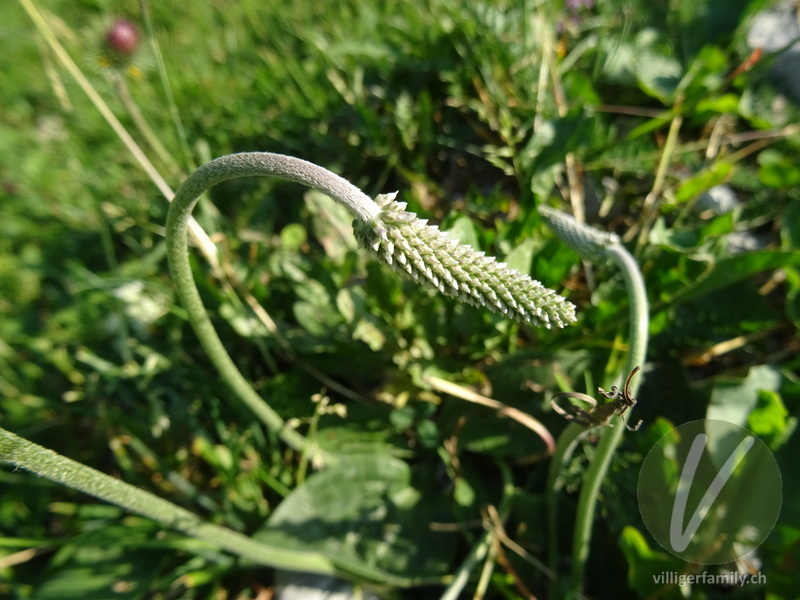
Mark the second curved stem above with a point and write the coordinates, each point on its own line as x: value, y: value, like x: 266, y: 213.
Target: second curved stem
x: 611, y: 437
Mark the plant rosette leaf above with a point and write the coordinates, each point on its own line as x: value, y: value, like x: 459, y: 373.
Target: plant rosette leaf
x: 364, y: 514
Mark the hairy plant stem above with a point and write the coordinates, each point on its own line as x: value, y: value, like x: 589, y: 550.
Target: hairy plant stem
x: 22, y: 453
x: 595, y: 246
x: 210, y: 174
x: 611, y: 437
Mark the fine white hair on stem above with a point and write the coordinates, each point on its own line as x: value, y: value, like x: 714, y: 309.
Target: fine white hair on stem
x: 587, y: 241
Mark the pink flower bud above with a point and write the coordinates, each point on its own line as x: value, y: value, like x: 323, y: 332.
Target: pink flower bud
x: 123, y: 37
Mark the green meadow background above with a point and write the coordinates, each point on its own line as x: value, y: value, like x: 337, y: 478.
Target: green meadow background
x: 623, y: 111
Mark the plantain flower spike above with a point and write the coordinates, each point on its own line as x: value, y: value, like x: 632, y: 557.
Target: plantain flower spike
x: 427, y: 255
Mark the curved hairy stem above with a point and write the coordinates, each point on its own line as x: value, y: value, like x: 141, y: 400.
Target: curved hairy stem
x: 394, y: 236
x: 595, y: 246
x: 611, y: 437
x: 210, y: 174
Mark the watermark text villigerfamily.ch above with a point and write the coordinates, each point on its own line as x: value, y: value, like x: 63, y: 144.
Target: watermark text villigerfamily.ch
x: 727, y: 579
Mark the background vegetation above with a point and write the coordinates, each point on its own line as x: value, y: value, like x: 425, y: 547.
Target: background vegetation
x: 476, y: 111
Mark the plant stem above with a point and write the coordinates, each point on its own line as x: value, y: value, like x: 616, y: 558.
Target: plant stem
x: 166, y: 87
x: 393, y: 235
x: 216, y: 171
x: 611, y: 437
x: 596, y: 246
x: 142, y: 125
x: 481, y: 548
x: 22, y: 453
x: 46, y: 463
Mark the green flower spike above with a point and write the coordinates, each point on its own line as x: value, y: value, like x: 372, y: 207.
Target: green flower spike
x: 425, y: 254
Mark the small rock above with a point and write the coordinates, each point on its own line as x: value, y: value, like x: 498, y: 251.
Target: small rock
x: 720, y: 200
x: 774, y: 29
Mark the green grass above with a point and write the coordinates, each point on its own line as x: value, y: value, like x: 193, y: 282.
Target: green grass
x: 477, y: 113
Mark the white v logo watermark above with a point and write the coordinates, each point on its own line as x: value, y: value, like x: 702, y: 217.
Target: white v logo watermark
x: 679, y: 540
x: 710, y: 491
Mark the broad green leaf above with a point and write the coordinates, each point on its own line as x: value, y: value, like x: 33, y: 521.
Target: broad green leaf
x: 366, y: 430
x: 659, y: 75
x: 464, y: 493
x: 293, y: 236
x: 369, y: 333
x: 244, y: 324
x: 680, y: 240
x: 776, y: 170
x: 365, y: 515
x: 521, y: 257
x: 721, y: 225
x: 724, y: 104
x: 734, y: 401
x: 463, y: 230
x: 346, y: 304
x: 428, y: 433
x: 348, y: 439
x: 317, y: 321
x: 315, y: 312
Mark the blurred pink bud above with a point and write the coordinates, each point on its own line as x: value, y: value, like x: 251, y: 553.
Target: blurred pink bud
x: 123, y: 37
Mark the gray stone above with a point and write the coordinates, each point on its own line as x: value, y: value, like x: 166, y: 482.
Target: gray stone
x: 774, y: 29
